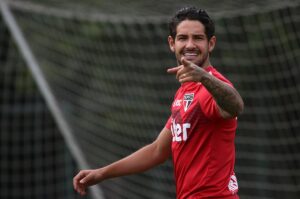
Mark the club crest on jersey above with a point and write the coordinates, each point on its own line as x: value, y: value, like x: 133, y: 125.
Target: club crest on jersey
x: 187, y: 100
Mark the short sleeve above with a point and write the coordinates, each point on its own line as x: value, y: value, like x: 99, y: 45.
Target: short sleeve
x: 168, y: 123
x: 209, y: 105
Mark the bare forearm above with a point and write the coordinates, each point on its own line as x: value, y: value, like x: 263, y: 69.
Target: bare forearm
x: 226, y: 97
x: 142, y: 160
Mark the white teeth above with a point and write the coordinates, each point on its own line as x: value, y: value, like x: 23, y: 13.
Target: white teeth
x: 190, y: 54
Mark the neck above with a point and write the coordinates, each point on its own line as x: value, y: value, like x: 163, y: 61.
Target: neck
x: 206, y: 64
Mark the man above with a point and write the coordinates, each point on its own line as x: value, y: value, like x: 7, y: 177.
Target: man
x: 201, y: 129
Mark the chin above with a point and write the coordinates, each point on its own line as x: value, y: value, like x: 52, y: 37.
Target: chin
x: 195, y: 61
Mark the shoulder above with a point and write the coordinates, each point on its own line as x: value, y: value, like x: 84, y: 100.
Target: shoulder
x: 213, y: 71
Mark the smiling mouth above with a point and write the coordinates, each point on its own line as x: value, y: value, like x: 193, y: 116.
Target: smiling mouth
x: 190, y: 55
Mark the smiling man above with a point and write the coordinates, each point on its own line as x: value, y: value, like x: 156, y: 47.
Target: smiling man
x: 200, y: 132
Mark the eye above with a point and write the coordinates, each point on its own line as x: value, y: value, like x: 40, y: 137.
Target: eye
x: 199, y: 38
x: 181, y: 38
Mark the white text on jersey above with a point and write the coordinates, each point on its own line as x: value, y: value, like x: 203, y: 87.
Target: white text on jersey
x: 177, y: 103
x: 179, y: 132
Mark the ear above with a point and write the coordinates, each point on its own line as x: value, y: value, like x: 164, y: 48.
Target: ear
x: 212, y: 43
x: 171, y: 43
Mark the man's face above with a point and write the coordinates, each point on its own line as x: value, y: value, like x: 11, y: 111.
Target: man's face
x: 191, y: 42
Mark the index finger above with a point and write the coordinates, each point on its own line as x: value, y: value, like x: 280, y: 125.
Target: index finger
x: 187, y: 63
x: 79, y: 175
x: 174, y: 69
x: 77, y: 178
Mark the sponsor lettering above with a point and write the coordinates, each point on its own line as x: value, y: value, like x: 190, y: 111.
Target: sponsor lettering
x: 179, y: 131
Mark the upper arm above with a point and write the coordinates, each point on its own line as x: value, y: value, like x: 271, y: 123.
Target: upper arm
x: 224, y: 114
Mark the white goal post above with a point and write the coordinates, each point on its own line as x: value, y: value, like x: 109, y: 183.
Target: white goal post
x: 46, y: 91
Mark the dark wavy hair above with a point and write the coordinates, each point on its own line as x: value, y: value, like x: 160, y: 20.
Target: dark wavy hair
x: 192, y: 13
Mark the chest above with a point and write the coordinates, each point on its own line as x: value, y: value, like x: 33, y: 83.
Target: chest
x: 186, y: 102
x: 187, y: 114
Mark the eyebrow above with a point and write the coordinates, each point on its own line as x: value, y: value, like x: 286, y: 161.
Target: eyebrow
x: 182, y: 34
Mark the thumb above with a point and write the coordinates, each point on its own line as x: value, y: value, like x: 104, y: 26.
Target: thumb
x: 86, y: 179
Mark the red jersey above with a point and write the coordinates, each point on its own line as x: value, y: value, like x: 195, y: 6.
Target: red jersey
x: 203, y: 144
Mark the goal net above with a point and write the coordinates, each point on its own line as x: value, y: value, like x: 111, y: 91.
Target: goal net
x: 34, y: 159
x: 106, y: 66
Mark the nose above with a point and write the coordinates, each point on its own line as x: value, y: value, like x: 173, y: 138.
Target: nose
x: 190, y: 44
